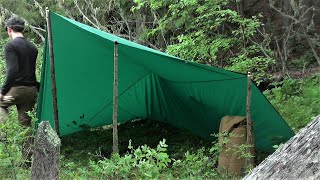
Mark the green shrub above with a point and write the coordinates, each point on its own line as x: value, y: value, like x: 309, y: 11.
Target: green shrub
x: 12, y: 163
x: 297, y: 100
x: 210, y: 32
x: 143, y: 162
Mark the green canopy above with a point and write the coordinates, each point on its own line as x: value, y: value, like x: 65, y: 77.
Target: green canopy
x: 152, y: 85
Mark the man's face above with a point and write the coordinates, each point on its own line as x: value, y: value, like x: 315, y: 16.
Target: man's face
x: 9, y: 31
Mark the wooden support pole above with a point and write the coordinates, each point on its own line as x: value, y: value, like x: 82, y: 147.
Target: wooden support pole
x: 249, y: 139
x: 115, y: 146
x: 52, y: 73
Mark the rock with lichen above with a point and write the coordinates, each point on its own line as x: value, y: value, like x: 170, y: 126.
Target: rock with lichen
x: 46, y: 153
x: 299, y: 158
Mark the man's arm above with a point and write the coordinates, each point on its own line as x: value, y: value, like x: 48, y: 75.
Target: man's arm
x: 12, y: 68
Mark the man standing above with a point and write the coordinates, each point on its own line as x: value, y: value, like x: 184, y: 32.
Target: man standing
x: 20, y: 86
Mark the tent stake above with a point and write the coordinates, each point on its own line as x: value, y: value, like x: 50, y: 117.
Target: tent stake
x: 52, y: 73
x: 115, y: 147
x: 249, y: 139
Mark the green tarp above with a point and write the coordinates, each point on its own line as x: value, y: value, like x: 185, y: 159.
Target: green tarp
x: 152, y: 85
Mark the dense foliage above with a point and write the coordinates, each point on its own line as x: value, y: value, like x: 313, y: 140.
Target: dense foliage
x: 213, y: 32
x: 210, y: 32
x: 297, y: 100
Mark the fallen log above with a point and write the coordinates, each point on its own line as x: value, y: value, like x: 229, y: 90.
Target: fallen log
x: 299, y: 158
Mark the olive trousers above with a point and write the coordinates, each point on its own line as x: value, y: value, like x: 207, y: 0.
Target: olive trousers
x: 24, y: 98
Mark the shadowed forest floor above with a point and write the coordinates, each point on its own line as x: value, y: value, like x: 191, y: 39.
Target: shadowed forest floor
x: 97, y: 143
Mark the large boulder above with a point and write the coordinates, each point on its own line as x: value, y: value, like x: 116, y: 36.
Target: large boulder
x: 299, y: 158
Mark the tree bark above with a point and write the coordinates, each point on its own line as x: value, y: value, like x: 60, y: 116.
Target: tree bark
x: 46, y: 153
x: 299, y: 158
x: 307, y: 13
x: 241, y: 7
x: 286, y: 40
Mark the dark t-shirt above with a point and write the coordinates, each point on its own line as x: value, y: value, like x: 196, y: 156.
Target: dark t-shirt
x: 21, y: 56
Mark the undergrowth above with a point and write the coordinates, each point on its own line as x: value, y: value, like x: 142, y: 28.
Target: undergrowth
x: 297, y: 100
x: 148, y: 149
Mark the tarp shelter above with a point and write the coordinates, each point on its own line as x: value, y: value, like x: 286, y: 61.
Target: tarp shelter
x: 152, y: 85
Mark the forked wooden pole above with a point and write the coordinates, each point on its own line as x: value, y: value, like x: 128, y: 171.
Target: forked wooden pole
x: 52, y: 73
x: 115, y: 146
x: 249, y: 139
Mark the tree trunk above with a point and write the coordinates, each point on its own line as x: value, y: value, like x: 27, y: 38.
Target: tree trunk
x: 286, y: 40
x: 307, y: 12
x: 316, y: 17
x: 299, y: 158
x: 46, y: 153
x: 241, y: 7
